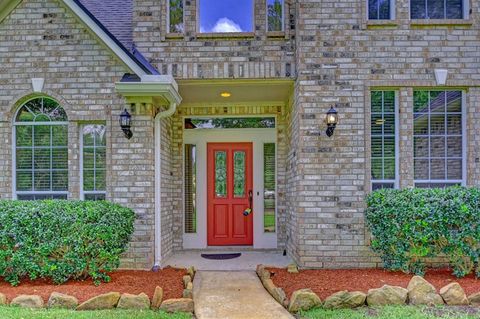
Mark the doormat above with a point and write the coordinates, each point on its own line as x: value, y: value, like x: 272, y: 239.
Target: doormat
x: 221, y: 256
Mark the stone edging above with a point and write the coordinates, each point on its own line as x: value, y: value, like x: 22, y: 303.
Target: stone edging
x: 113, y: 300
x: 418, y: 292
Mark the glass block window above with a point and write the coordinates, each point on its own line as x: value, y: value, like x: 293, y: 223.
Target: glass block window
x: 436, y: 9
x: 438, y: 138
x: 379, y: 10
x: 94, y: 162
x: 175, y: 16
x: 275, y: 15
x: 383, y: 139
x: 269, y: 191
x: 41, y: 150
x: 190, y: 183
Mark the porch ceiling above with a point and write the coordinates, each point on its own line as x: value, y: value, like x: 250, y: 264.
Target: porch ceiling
x: 275, y: 91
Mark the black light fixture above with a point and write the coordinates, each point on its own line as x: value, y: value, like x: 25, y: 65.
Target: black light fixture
x: 126, y: 124
x: 332, y: 121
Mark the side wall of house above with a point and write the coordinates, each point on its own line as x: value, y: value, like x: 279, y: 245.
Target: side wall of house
x: 41, y: 39
x: 340, y: 58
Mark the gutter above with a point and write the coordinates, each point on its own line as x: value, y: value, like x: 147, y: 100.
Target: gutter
x: 149, y: 89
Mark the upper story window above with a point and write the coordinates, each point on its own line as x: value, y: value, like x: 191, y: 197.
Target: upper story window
x: 438, y: 9
x: 438, y: 138
x: 175, y: 16
x: 275, y: 11
x: 384, y: 139
x: 380, y: 9
x: 225, y: 16
x: 41, y: 150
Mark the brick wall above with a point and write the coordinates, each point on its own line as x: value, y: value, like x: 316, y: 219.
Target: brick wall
x: 42, y: 39
x: 340, y: 58
x: 257, y: 55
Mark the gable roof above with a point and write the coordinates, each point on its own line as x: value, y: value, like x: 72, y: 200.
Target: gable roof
x: 110, y: 20
x: 116, y: 16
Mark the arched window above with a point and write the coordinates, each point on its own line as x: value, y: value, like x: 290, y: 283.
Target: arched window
x: 41, y: 150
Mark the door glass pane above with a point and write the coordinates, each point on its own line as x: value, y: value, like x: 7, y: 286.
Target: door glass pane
x: 269, y: 187
x: 221, y: 174
x: 239, y: 174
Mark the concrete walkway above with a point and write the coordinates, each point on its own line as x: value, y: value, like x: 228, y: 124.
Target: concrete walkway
x: 234, y: 295
x: 248, y: 261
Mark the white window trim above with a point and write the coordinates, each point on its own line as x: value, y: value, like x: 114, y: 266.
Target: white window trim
x: 82, y: 191
x: 168, y: 18
x: 15, y: 193
x: 200, y: 137
x: 463, y: 181
x: 283, y: 16
x: 392, y: 4
x: 465, y: 13
x: 396, y: 182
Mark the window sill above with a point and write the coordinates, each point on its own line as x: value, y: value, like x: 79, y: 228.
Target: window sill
x: 226, y: 35
x: 275, y: 34
x: 440, y: 22
x: 174, y: 36
x: 374, y: 24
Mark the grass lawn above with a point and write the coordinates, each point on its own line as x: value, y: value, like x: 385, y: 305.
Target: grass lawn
x: 19, y: 313
x: 406, y: 312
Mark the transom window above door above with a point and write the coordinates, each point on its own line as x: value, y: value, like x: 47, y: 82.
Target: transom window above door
x: 41, y: 150
x: 229, y: 123
x: 226, y: 16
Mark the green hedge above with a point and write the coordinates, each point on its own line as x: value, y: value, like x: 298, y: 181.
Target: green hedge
x: 62, y: 240
x: 409, y: 225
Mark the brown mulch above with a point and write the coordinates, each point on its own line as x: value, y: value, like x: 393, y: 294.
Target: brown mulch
x: 326, y: 282
x: 123, y: 281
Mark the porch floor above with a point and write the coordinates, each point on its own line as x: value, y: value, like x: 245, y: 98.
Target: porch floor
x: 247, y: 261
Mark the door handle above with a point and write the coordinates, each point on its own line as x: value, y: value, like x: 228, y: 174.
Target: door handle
x: 248, y: 211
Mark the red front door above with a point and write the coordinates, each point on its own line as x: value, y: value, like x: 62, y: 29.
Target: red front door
x: 229, y: 184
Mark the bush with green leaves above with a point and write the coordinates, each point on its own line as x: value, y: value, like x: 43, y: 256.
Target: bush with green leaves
x: 62, y: 240
x: 411, y: 224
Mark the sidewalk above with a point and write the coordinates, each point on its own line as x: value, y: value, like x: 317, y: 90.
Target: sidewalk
x: 234, y: 295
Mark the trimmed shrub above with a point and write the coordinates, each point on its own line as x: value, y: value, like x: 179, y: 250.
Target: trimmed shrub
x: 412, y: 224
x: 62, y: 240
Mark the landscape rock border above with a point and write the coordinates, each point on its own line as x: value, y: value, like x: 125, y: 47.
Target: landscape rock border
x: 418, y: 292
x: 112, y: 300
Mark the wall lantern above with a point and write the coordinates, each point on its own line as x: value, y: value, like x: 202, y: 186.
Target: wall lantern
x: 126, y: 124
x: 332, y: 121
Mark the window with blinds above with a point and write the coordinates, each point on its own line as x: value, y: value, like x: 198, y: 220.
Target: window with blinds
x: 269, y: 189
x: 190, y: 182
x: 438, y: 138
x: 383, y: 139
x: 94, y: 162
x: 41, y: 150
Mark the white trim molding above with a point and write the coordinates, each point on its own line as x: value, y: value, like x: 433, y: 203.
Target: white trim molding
x: 153, y: 89
x: 200, y: 137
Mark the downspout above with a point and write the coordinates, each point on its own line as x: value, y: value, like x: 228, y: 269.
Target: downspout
x: 158, y: 183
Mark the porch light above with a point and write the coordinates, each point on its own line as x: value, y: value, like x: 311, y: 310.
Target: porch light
x: 225, y: 94
x: 126, y: 124
x: 332, y: 121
